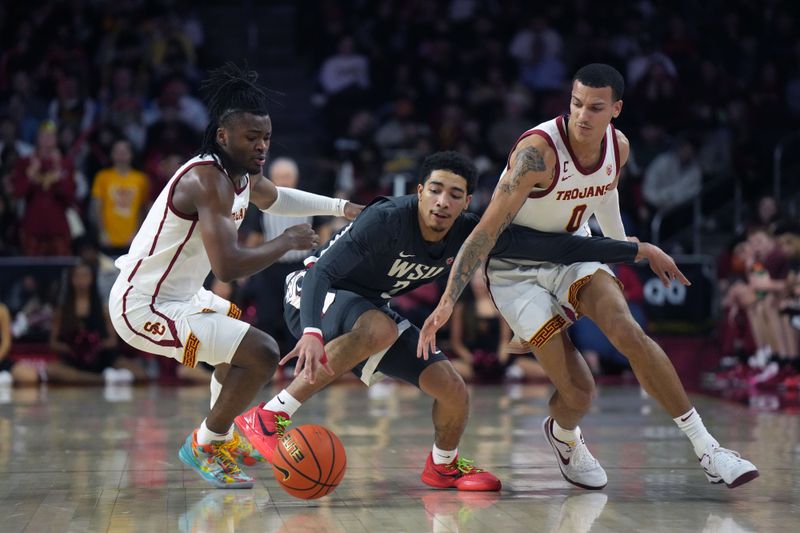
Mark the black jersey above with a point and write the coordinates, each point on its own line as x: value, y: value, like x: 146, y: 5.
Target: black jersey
x: 382, y: 254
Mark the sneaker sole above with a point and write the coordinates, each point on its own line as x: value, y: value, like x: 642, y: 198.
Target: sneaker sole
x: 189, y: 461
x: 744, y: 478
x: 474, y: 487
x: 560, y: 467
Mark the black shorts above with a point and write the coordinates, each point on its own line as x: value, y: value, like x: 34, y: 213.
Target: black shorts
x: 399, y: 361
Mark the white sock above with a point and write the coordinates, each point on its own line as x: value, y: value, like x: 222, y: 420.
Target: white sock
x: 692, y: 425
x: 283, y: 402
x: 566, y: 435
x: 216, y: 388
x: 206, y: 436
x: 443, y: 457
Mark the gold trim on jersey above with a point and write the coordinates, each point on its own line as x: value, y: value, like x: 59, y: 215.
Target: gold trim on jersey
x: 190, y: 351
x: 547, y: 331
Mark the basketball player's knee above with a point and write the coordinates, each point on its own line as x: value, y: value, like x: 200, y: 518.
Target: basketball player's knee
x: 452, y: 387
x: 382, y: 332
x: 630, y: 339
x: 580, y: 398
x: 267, y: 353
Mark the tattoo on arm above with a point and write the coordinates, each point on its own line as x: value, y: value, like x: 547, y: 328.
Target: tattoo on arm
x: 474, y: 251
x: 529, y: 159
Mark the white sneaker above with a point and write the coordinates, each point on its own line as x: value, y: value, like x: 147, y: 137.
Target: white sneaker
x: 727, y: 466
x: 577, y: 464
x: 117, y: 375
x: 6, y: 380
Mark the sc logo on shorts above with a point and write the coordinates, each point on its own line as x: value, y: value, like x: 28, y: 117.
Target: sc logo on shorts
x: 156, y: 328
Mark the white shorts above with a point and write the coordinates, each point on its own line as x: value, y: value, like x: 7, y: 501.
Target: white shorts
x: 538, y: 300
x: 204, y: 328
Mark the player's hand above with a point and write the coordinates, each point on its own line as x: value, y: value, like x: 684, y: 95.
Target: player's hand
x: 427, y: 335
x: 310, y: 353
x: 301, y: 237
x: 351, y: 210
x: 661, y: 264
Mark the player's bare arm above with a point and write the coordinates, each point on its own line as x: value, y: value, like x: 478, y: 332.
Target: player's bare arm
x: 209, y: 193
x: 264, y: 194
x: 531, y: 164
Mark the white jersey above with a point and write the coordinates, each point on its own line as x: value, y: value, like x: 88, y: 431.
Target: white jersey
x: 167, y: 258
x: 575, y: 193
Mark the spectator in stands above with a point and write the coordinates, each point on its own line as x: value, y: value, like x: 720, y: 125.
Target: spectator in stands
x: 83, y: 337
x: 87, y: 250
x: 11, y: 371
x: 767, y: 214
x: 72, y: 106
x: 120, y: 196
x: 345, y: 81
x: 44, y: 181
x: 674, y: 177
x: 759, y: 297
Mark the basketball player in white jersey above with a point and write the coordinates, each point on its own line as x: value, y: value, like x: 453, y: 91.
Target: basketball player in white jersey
x: 158, y: 303
x: 559, y: 174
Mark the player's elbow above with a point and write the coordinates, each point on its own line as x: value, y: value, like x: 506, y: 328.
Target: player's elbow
x: 225, y: 271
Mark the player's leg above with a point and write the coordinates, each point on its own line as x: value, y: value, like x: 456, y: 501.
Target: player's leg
x: 436, y: 376
x: 525, y: 296
x: 252, y: 366
x: 357, y: 329
x: 373, y: 332
x: 602, y: 300
x: 575, y: 391
x: 443, y: 383
x: 570, y: 375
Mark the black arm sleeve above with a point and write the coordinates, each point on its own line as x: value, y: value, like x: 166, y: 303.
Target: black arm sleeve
x: 365, y: 236
x: 519, y: 242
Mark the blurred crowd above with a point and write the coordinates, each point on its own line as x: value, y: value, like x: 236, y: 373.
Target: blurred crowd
x: 711, y: 87
x: 99, y: 106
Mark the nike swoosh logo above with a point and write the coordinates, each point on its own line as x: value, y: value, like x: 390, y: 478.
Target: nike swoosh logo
x: 264, y: 428
x: 564, y: 460
x: 687, y: 417
x: 282, y: 402
x: 403, y: 254
x: 282, y: 471
x: 565, y: 178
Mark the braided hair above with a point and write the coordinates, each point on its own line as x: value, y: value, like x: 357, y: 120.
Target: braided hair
x: 228, y: 91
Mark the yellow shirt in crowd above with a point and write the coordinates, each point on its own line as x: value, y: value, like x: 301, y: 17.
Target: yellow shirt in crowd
x: 121, y: 198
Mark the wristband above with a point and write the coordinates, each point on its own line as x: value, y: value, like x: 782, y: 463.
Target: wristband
x: 315, y: 332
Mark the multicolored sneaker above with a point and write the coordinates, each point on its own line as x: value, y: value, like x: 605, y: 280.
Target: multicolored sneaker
x: 727, y: 466
x: 242, y: 451
x: 215, y: 463
x: 263, y: 429
x: 577, y: 464
x: 459, y: 474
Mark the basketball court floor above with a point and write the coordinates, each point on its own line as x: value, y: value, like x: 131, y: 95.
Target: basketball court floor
x: 83, y: 459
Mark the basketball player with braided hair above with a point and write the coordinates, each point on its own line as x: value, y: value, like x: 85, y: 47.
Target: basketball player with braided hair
x: 158, y: 303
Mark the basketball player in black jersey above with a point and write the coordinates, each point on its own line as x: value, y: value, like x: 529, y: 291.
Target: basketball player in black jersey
x: 339, y: 306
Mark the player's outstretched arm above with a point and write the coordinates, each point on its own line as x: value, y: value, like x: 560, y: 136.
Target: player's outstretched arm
x: 661, y: 263
x: 293, y: 202
x: 229, y: 261
x: 530, y: 164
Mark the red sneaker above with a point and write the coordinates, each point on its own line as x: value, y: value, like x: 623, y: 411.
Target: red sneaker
x: 263, y: 428
x: 459, y: 474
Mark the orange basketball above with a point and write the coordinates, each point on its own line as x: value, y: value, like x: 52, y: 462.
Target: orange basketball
x: 309, y: 462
